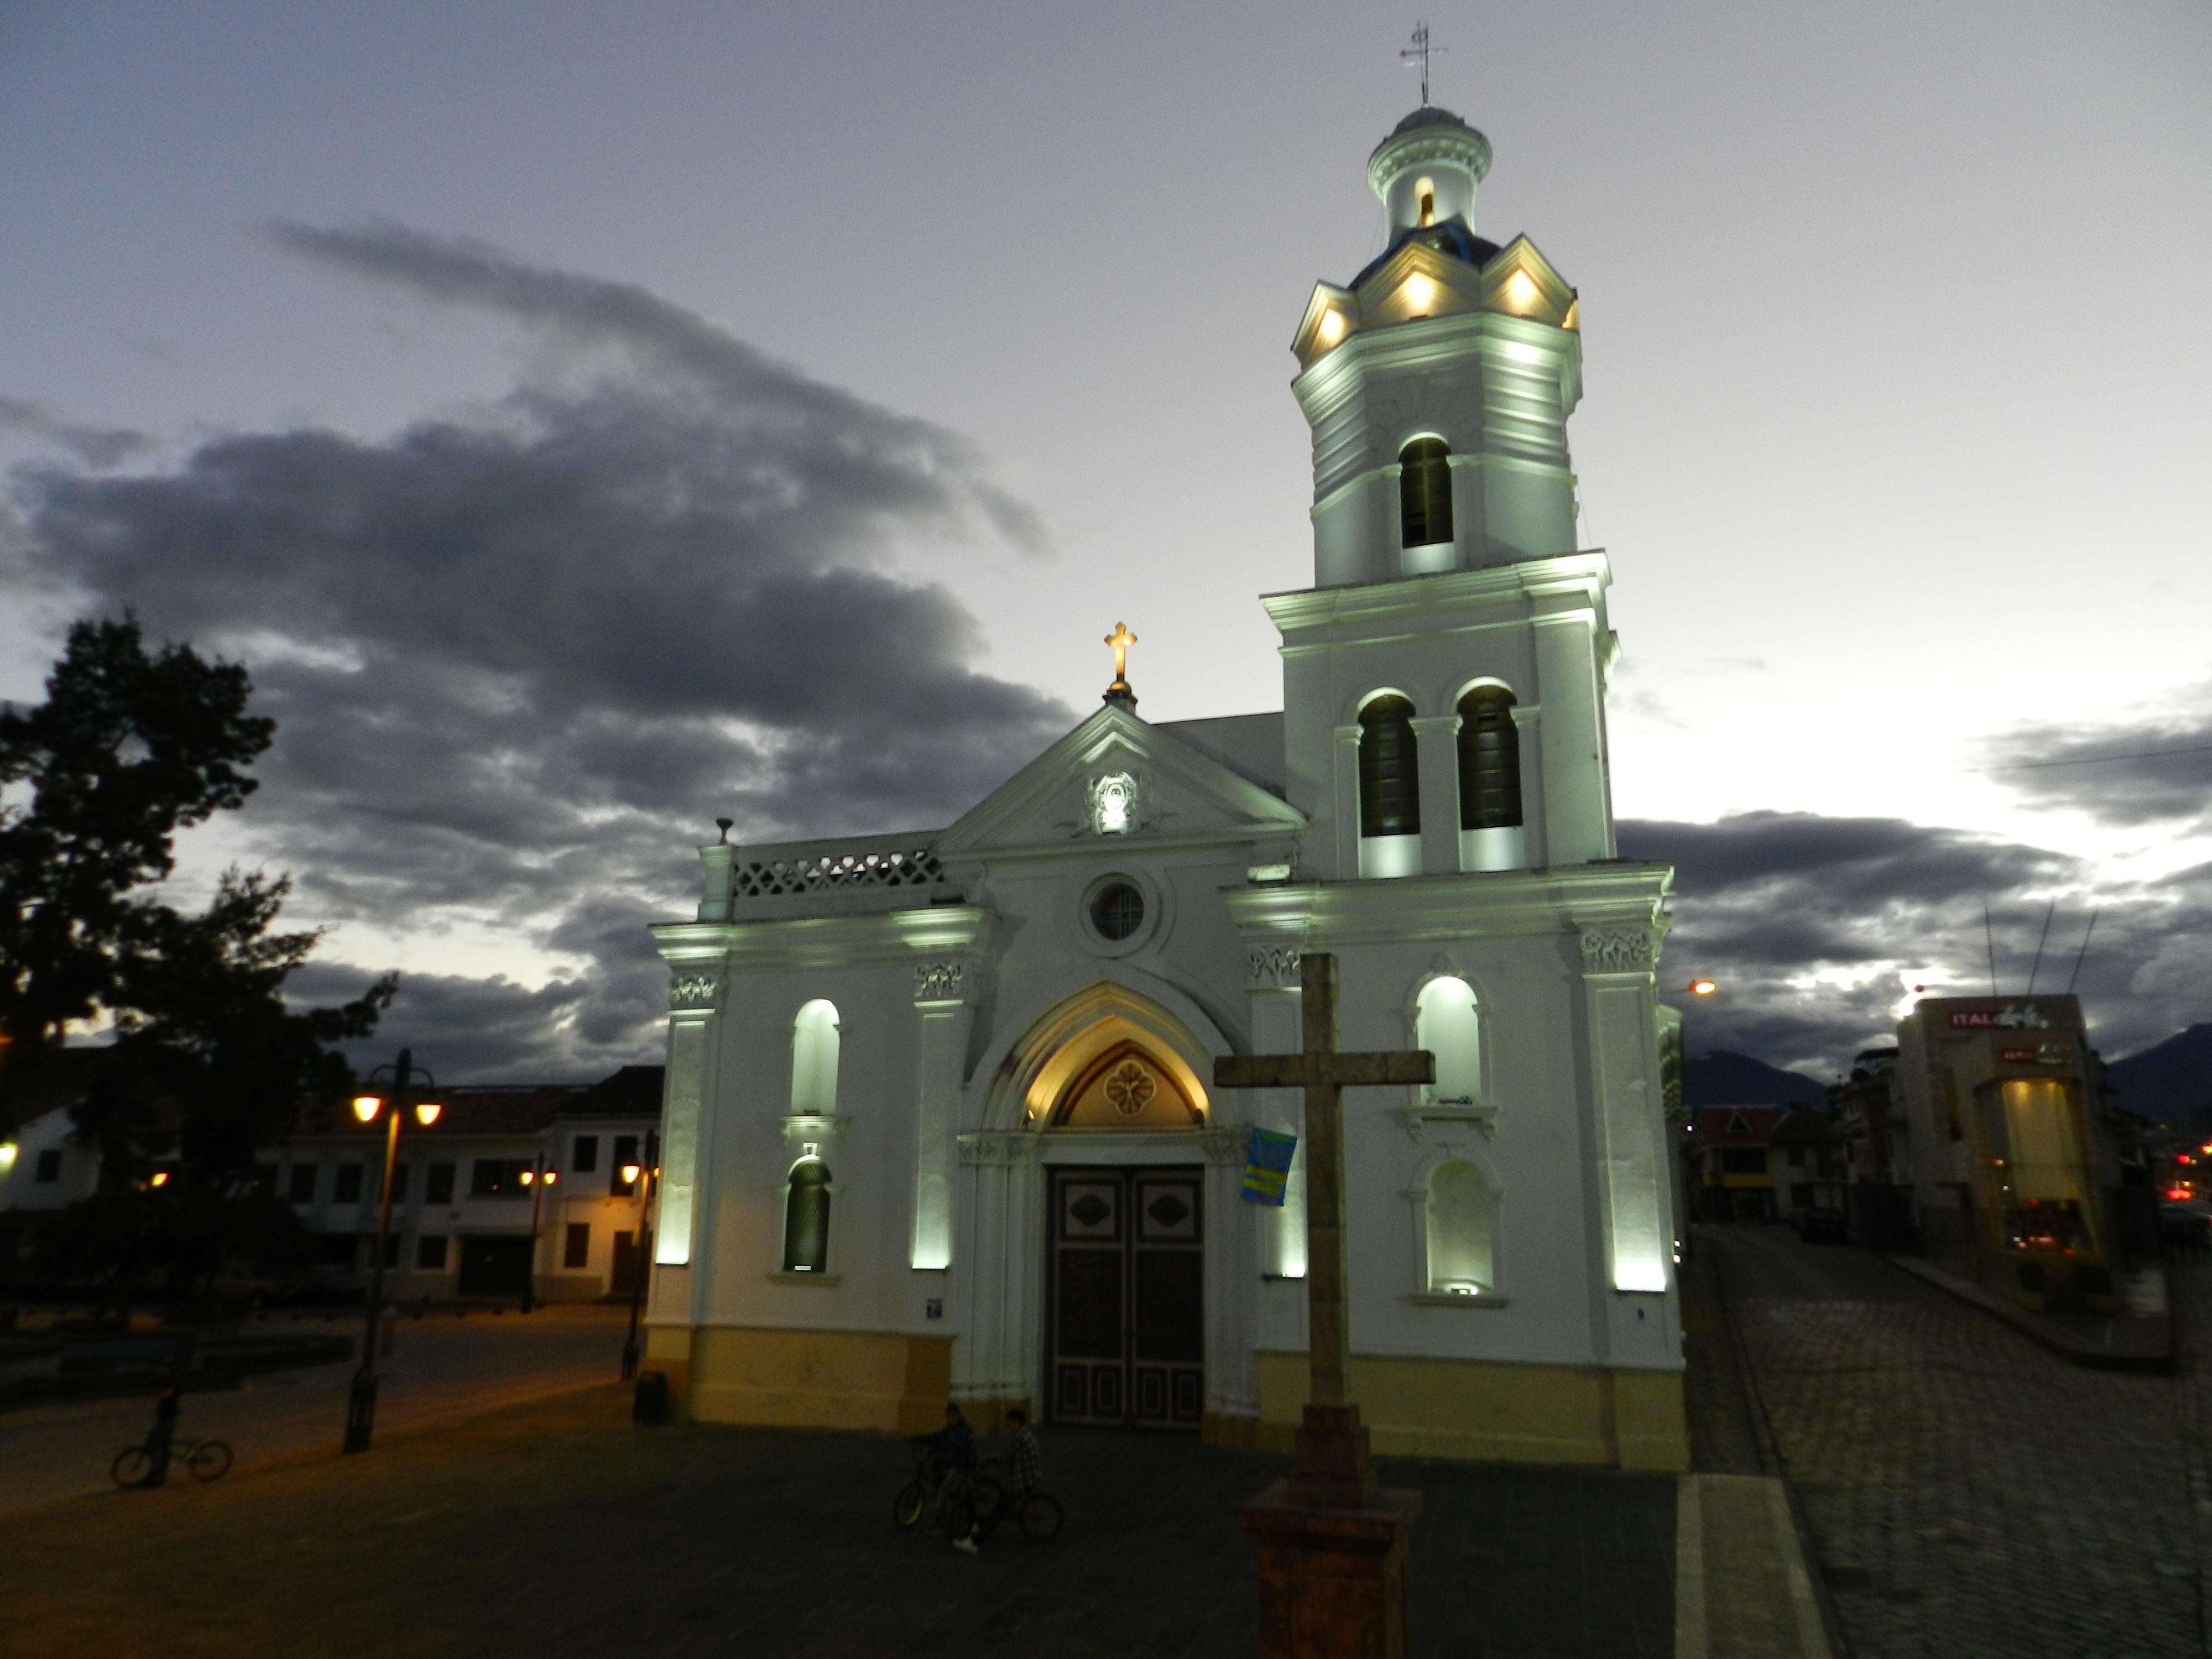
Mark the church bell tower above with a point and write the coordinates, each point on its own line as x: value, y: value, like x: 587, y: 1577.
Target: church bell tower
x: 1444, y: 675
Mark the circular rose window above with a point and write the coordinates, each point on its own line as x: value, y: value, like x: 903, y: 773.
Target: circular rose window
x: 1117, y: 910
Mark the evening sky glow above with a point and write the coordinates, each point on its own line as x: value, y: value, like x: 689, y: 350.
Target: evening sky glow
x: 1893, y: 427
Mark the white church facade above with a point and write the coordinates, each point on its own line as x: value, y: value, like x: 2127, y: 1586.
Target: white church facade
x: 939, y: 1121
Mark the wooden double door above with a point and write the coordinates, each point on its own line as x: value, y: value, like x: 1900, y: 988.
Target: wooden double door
x: 1126, y: 1298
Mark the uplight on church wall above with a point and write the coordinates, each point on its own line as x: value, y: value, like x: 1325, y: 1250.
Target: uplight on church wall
x: 1330, y: 329
x: 1521, y: 293
x: 1419, y: 294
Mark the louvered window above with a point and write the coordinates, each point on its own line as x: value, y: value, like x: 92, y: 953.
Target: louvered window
x: 1489, y: 759
x: 1424, y: 503
x: 1389, y: 775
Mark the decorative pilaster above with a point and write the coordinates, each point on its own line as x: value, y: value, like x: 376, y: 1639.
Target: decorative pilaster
x: 1616, y: 964
x: 943, y: 1006
x: 1271, y: 985
x: 694, y: 999
x: 1436, y: 742
x: 1577, y: 805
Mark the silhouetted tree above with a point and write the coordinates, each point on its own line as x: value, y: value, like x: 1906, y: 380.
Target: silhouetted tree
x: 207, y: 1061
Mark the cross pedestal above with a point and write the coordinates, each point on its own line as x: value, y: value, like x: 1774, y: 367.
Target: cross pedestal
x: 1332, y: 1542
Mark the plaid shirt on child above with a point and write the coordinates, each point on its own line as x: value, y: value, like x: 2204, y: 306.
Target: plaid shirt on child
x: 1025, y: 1461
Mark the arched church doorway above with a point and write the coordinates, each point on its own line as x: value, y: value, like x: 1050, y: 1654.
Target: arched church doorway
x: 1110, y: 1082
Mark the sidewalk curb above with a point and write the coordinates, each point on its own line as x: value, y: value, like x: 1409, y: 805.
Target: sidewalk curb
x: 2050, y: 1334
x: 1742, y: 1531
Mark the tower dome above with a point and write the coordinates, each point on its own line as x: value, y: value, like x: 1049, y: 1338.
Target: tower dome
x: 1426, y: 171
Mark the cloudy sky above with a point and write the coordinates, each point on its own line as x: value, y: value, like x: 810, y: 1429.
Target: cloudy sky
x: 587, y: 421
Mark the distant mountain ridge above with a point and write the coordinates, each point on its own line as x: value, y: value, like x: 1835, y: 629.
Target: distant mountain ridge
x: 1722, y: 1079
x: 2169, y: 1081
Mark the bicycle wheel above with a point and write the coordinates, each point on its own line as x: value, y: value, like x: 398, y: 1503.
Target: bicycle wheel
x: 1041, y: 1517
x: 987, y: 1504
x: 907, y: 1507
x: 210, y: 1461
x: 131, y: 1465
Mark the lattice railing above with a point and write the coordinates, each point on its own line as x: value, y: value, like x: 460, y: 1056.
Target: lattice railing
x: 834, y: 871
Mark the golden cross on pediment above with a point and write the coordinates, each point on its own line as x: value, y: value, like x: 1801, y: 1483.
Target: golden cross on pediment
x: 1121, y: 639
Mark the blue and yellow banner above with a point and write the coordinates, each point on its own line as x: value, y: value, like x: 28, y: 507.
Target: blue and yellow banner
x: 1267, y: 1166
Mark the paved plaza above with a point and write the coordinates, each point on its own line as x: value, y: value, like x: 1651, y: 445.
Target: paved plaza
x: 558, y: 1528
x: 443, y: 1366
x: 1970, y: 1493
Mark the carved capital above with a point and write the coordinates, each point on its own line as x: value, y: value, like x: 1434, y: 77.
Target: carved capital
x: 997, y: 1148
x: 700, y: 990
x: 1272, y: 966
x: 1224, y: 1146
x: 1618, y: 950
x: 941, y: 982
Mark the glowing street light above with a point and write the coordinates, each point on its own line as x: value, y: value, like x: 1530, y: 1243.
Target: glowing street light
x: 1701, y: 988
x: 360, y: 1398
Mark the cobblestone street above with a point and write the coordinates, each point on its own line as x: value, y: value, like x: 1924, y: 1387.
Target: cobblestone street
x: 1969, y: 1492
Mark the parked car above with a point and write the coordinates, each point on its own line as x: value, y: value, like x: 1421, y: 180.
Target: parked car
x: 1825, y: 1217
x: 2184, y: 1225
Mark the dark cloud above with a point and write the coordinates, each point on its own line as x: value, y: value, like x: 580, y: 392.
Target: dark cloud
x: 2152, y: 769
x: 1807, y: 923
x: 521, y: 661
x: 94, y: 445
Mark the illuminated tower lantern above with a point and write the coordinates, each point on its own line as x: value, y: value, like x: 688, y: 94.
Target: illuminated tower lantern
x: 940, y: 1120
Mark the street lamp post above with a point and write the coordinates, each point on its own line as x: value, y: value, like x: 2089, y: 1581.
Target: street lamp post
x: 360, y: 1399
x: 639, y: 1177
x: 538, y: 1178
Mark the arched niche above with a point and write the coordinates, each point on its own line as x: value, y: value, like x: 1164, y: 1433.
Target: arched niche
x: 1447, y: 1024
x: 814, y: 1041
x: 1461, y: 1222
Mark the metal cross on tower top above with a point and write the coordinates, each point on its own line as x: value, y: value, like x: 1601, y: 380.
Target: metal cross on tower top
x: 1417, y: 56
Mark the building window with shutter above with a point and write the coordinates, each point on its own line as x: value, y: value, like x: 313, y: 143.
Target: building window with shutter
x: 1490, y: 815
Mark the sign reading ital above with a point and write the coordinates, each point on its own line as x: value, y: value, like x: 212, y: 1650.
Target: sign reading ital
x: 2017, y: 1015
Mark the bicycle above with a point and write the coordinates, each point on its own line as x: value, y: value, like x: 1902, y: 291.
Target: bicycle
x: 203, y: 1460
x: 1037, y: 1512
x: 916, y: 1499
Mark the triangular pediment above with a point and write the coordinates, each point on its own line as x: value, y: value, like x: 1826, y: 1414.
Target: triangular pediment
x: 1331, y: 316
x: 1117, y: 769
x: 1521, y: 282
x: 1417, y: 280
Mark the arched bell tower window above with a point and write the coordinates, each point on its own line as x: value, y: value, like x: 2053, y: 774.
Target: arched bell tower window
x: 1489, y: 817
x: 814, y: 1040
x: 1424, y: 496
x: 1389, y: 789
x: 807, y: 1218
x: 1489, y: 759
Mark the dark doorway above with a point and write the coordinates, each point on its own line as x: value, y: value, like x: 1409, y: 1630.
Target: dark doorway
x: 624, y: 1280
x: 495, y: 1266
x: 1126, y: 1301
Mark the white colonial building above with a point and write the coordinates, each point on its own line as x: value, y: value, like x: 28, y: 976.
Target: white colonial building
x: 938, y: 1119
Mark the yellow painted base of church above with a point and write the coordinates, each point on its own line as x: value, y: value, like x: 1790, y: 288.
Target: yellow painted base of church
x: 805, y: 1379
x: 1483, y: 1411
